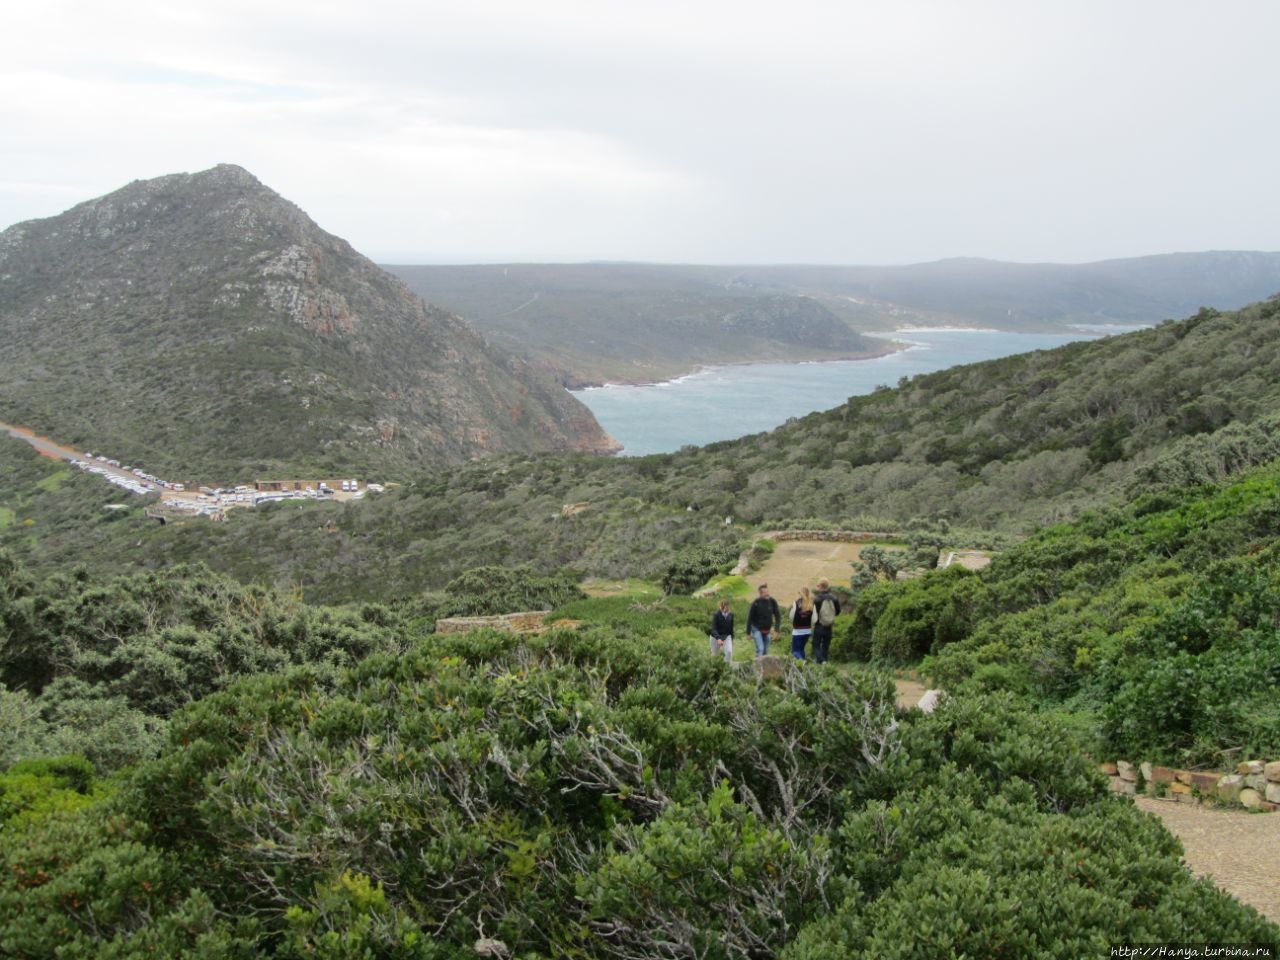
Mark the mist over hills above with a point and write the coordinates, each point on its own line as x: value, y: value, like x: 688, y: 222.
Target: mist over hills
x: 1014, y: 296
x: 635, y: 321
x: 202, y: 322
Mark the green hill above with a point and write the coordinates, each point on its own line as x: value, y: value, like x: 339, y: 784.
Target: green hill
x: 1006, y: 445
x: 970, y: 291
x: 622, y: 323
x: 203, y: 327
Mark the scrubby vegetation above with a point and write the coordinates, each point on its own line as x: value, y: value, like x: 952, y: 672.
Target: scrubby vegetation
x: 694, y: 566
x: 200, y: 764
x: 1007, y: 446
x: 582, y: 794
x: 1157, y: 620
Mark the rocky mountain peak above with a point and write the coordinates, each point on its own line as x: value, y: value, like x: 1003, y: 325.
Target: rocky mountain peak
x: 211, y: 292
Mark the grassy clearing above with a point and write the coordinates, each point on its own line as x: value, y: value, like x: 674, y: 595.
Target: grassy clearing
x: 7, y: 517
x: 728, y: 587
x: 53, y: 481
x: 632, y: 587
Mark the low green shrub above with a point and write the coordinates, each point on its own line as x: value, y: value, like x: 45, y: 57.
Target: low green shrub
x: 691, y: 567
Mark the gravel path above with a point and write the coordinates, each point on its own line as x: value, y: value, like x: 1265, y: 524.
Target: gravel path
x: 802, y: 563
x: 909, y: 692
x: 1239, y: 850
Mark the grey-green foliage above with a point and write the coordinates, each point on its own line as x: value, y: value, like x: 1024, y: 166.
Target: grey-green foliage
x: 97, y: 669
x: 23, y: 731
x: 583, y: 795
x: 1004, y: 444
x: 495, y: 590
x: 1208, y: 458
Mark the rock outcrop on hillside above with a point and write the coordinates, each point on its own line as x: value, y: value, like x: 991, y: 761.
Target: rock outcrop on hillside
x: 202, y: 323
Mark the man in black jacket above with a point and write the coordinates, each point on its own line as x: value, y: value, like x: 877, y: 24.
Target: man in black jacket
x: 827, y: 607
x: 722, y: 631
x: 763, y: 618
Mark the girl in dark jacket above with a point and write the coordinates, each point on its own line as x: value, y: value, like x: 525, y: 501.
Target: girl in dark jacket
x: 801, y: 622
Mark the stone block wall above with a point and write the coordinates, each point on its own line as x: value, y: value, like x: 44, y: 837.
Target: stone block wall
x: 528, y: 622
x: 836, y: 536
x: 1255, y: 784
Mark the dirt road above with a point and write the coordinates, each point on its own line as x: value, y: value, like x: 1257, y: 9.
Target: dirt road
x: 42, y: 444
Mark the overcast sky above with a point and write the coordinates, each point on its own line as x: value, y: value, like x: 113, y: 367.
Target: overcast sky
x: 858, y: 132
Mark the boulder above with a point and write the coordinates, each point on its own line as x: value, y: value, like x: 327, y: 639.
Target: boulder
x: 531, y: 621
x: 1229, y: 788
x: 1250, y: 798
x: 1272, y: 771
x: 1273, y: 792
x: 1109, y: 769
x: 1255, y: 781
x: 1145, y: 769
x: 1180, y: 790
x: 489, y: 947
x: 770, y: 667
x: 1206, y: 783
x: 1163, y: 774
x: 1126, y: 771
x: 1127, y: 787
x: 929, y: 701
x: 1250, y: 766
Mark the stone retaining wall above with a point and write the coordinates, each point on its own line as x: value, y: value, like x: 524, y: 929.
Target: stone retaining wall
x: 528, y: 622
x: 830, y: 536
x: 836, y: 536
x: 1255, y: 784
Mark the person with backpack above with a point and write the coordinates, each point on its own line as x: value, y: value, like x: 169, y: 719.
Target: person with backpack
x: 763, y: 618
x: 722, y: 631
x: 828, y: 608
x: 801, y: 615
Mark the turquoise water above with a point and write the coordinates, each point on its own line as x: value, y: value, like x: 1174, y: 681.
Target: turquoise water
x: 720, y: 403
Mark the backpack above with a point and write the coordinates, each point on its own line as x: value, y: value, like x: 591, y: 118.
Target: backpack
x: 827, y: 612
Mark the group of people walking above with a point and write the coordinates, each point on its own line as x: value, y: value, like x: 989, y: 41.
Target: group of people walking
x: 811, y: 616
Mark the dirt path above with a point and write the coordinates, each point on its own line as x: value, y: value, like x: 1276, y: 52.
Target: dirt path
x: 909, y: 692
x: 43, y: 445
x: 1238, y: 850
x: 802, y: 563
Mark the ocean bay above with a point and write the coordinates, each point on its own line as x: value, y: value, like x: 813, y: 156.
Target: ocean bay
x: 723, y: 402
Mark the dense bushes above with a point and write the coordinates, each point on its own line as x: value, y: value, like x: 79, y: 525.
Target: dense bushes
x: 578, y: 795
x: 897, y: 623
x: 693, y: 566
x: 492, y: 590
x: 1156, y: 620
x: 97, y: 669
x: 1005, y: 445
